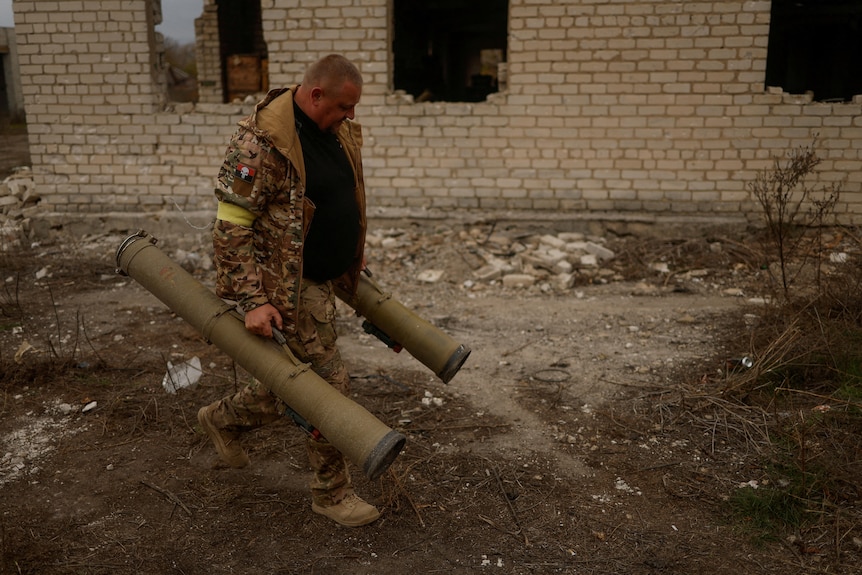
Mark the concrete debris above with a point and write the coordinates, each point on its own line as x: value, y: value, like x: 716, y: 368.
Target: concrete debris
x: 599, y: 251
x: 430, y: 276
x: 512, y: 259
x: 552, y: 241
x: 549, y: 260
x: 430, y: 400
x: 488, y: 273
x: 589, y: 260
x: 17, y: 194
x: 18, y: 204
x: 518, y: 280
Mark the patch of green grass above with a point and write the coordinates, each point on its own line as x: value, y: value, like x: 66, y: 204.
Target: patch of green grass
x: 93, y: 380
x: 850, y: 383
x: 764, y: 514
x: 805, y: 473
x: 5, y: 325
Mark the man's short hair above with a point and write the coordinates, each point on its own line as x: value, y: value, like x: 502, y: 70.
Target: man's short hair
x: 331, y: 72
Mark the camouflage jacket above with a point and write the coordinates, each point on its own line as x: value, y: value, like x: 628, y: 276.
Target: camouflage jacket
x: 263, y: 214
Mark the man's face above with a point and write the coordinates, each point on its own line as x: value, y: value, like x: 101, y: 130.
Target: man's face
x: 332, y: 107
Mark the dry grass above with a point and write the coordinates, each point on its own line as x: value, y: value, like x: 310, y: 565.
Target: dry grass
x: 797, y: 410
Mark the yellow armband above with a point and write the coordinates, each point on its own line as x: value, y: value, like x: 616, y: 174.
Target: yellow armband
x: 235, y: 214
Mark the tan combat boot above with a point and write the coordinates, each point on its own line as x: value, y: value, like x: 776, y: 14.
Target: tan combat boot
x: 332, y: 494
x: 226, y: 442
x: 352, y: 511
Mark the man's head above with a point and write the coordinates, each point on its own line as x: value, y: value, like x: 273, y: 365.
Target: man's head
x: 330, y: 91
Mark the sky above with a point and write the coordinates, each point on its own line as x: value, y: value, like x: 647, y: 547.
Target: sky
x: 6, y: 14
x: 178, y: 18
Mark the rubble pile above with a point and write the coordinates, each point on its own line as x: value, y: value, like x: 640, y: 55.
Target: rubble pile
x: 555, y: 259
x: 476, y: 258
x: 18, y: 203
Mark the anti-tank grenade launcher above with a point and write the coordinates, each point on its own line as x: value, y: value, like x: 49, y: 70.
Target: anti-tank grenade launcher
x: 358, y: 434
x: 398, y: 327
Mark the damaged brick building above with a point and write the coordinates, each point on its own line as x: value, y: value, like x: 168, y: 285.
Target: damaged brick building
x: 573, y: 109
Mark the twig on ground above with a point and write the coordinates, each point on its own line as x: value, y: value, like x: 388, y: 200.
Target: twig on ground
x: 416, y: 544
x: 508, y: 503
x: 176, y: 500
x: 517, y: 349
x: 406, y: 495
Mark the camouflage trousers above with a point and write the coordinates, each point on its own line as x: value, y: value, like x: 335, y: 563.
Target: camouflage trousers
x: 314, y: 342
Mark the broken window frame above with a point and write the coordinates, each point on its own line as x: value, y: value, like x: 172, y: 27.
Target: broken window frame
x: 448, y: 50
x: 816, y: 46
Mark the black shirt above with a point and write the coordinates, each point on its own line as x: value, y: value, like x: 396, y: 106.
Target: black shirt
x: 330, y: 246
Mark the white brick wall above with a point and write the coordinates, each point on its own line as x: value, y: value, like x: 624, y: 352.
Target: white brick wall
x: 627, y: 106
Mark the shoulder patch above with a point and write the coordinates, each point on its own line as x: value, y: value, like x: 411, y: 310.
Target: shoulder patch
x: 244, y: 173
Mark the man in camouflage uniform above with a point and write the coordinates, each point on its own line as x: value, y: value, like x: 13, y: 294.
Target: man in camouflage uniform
x: 295, y: 157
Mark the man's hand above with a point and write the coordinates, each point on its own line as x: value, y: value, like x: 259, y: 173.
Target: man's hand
x: 259, y: 320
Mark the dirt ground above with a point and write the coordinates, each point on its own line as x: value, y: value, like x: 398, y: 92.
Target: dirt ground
x: 561, y: 446
x: 570, y: 441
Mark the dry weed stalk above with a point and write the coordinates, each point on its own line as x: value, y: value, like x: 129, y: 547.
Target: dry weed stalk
x: 792, y: 208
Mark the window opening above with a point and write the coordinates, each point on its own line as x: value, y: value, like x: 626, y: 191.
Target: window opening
x: 816, y: 46
x: 178, y: 29
x: 243, y: 51
x: 181, y: 71
x: 449, y: 50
